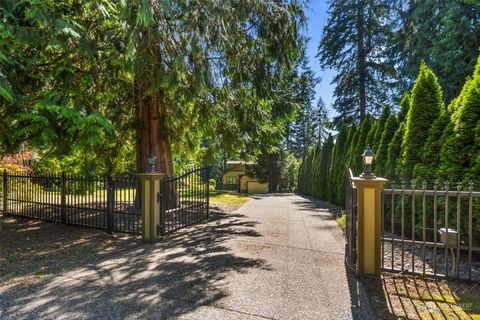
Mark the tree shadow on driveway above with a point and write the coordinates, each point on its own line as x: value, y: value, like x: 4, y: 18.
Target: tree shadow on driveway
x: 164, y: 280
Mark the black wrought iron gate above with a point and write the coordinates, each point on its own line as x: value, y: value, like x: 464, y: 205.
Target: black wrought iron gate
x: 184, y: 200
x: 351, y: 219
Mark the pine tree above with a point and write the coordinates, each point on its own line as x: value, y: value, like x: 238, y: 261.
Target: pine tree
x: 354, y: 43
x: 426, y: 105
x: 391, y: 126
x: 304, y: 130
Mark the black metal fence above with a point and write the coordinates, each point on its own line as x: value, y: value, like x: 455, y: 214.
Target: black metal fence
x: 431, y: 230
x: 351, y: 219
x: 109, y: 203
x: 184, y: 200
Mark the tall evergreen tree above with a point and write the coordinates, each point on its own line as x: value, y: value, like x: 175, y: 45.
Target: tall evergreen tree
x: 303, y: 131
x: 426, y: 106
x: 444, y: 34
x: 354, y: 43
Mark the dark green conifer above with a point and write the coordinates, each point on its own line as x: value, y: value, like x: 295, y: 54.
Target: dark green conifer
x: 391, y: 126
x: 425, y: 107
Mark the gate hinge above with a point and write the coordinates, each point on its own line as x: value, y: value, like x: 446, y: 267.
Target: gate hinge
x: 159, y: 196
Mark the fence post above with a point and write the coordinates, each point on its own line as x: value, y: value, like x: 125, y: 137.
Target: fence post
x: 63, y: 208
x: 4, y: 196
x: 150, y: 200
x: 110, y: 203
x: 369, y: 232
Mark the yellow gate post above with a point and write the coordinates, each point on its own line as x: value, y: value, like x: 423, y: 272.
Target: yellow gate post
x: 150, y: 202
x: 369, y: 228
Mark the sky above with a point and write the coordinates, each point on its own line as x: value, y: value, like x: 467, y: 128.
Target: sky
x: 317, y: 18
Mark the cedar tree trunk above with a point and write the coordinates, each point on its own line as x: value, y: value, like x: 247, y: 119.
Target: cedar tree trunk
x: 151, y: 130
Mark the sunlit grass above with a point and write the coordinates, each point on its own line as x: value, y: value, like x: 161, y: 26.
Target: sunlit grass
x: 229, y: 197
x: 342, y: 221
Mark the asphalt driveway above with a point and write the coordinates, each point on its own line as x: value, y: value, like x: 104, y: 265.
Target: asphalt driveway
x: 278, y: 257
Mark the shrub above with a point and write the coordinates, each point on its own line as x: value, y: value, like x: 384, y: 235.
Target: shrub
x: 425, y: 107
x: 212, y: 184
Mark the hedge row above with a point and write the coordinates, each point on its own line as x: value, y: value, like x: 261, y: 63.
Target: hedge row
x: 425, y: 141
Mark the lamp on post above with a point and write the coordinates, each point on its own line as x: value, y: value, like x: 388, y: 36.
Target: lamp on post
x: 151, y: 162
x: 367, y: 162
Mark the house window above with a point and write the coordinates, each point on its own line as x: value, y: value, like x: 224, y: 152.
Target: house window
x: 231, y: 180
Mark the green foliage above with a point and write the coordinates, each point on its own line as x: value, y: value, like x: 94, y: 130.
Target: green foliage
x: 426, y: 106
x: 314, y: 170
x: 335, y: 165
x: 379, y: 129
x: 289, y: 173
x: 427, y: 168
x: 461, y: 147
x: 212, y: 184
x: 445, y: 34
x: 404, y: 107
x: 354, y: 43
x: 71, y: 75
x: 341, y: 166
x: 393, y: 165
x: 360, y: 144
x: 391, y: 126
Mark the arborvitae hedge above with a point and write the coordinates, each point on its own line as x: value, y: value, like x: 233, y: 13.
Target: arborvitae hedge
x: 324, y: 167
x: 404, y: 107
x: 379, y: 129
x: 393, y: 153
x: 335, y: 163
x: 424, y: 140
x: 461, y: 148
x: 382, y: 150
x: 425, y: 107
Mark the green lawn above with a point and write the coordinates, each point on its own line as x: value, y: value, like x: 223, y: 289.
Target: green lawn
x: 223, y: 197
